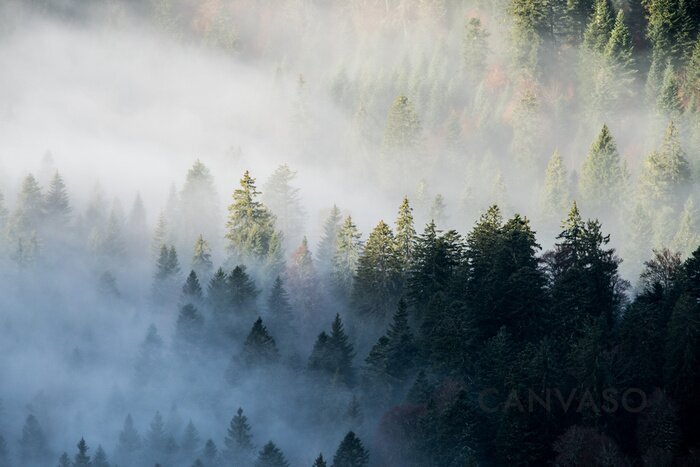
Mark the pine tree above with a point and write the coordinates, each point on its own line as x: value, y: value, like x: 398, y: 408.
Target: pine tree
x: 192, y: 290
x: 354, y: 412
x: 100, y: 458
x: 279, y: 310
x: 302, y: 280
x: 81, y: 459
x: 217, y: 294
x: 401, y: 350
x: 160, y: 235
x: 668, y: 101
x: 692, y: 78
x: 259, y: 347
x: 242, y: 291
x: 189, y: 328
x: 600, y: 26
x: 405, y: 239
x: 555, y: 194
x: 377, y: 282
x: 129, y: 443
x: 320, y: 462
x: 64, y: 460
x: 342, y: 351
x: 250, y: 224
x: 156, y: 438
x: 327, y: 245
x: 189, y: 445
x: 402, y: 137
x: 33, y: 446
x: 199, y: 210
x: 351, y: 452
x: 56, y: 203
x: 210, y: 454
x: 239, y: 440
x: 687, y: 237
x: 475, y: 49
x: 603, y: 177
x: 29, y: 210
x: 284, y: 202
x: 271, y: 456
x: 137, y: 228
x: 167, y: 269
x: 619, y: 49
x: 347, y: 257
x: 666, y: 173
x: 201, y: 258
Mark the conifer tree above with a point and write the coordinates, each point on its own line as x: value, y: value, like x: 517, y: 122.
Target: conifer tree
x: 284, y: 202
x: 347, y: 257
x: 167, y: 269
x: 100, y: 458
x: 201, y: 258
x: 692, y: 78
x: 279, y: 310
x: 160, y: 235
x: 250, y: 224
x: 64, y: 460
x: 351, y: 452
x: 619, y: 49
x: 342, y: 351
x: 327, y: 245
x: 210, y: 453
x: 239, y: 440
x: 242, y: 291
x: 320, y: 462
x: 56, y: 202
x: 302, y: 280
x: 665, y: 173
x: 82, y: 459
x: 29, y: 210
x: 555, y: 194
x: 156, y: 438
x: 603, y: 177
x: 259, y: 347
x: 271, y: 456
x: 475, y: 48
x: 137, y: 228
x: 377, y: 282
x: 192, y: 290
x: 189, y: 444
x: 199, y: 210
x: 189, y: 328
x: 668, y: 101
x: 687, y: 237
x: 600, y: 26
x: 682, y: 353
x: 33, y: 446
x: 150, y: 361
x: 129, y: 443
x: 405, y: 239
x: 217, y: 293
x: 113, y: 242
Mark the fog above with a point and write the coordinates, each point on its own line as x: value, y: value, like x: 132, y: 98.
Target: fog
x: 122, y: 98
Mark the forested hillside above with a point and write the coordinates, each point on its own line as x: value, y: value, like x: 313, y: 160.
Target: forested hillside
x: 349, y: 233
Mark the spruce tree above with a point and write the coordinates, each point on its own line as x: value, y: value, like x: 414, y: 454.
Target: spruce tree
x: 242, y: 291
x: 239, y: 440
x: 217, y: 294
x: 64, y: 460
x: 33, y: 446
x: 302, y: 280
x: 342, y: 352
x: 160, y: 235
x: 278, y: 303
x: 687, y: 237
x: 351, y: 452
x: 271, y: 456
x: 600, y: 26
x: 250, y: 224
x: 189, y: 444
x: 377, y: 282
x: 201, y: 258
x: 405, y: 239
x: 57, y: 204
x: 555, y: 194
x: 82, y: 459
x: 619, y: 49
x: 210, y: 454
x: 100, y: 458
x: 192, y: 290
x: 347, y: 257
x: 29, y: 209
x: 189, y: 328
x: 199, y: 210
x: 112, y: 243
x: 150, y: 361
x: 129, y: 443
x: 328, y: 244
x: 284, y: 202
x: 320, y: 462
x: 692, y: 78
x: 259, y: 347
x: 156, y: 438
x: 668, y: 101
x: 603, y: 178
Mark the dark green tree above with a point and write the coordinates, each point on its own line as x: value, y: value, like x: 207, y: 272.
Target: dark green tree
x: 81, y: 458
x: 327, y: 247
x: 239, y: 440
x: 259, y: 347
x: 351, y: 452
x: 33, y: 446
x: 271, y: 456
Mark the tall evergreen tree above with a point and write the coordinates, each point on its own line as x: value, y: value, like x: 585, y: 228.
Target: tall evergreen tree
x: 57, y: 204
x: 250, y: 224
x: 284, y: 202
x: 302, y: 280
x: 377, y: 282
x: 405, y: 238
x: 600, y: 26
x: 199, y: 209
x: 100, y: 458
x: 687, y: 236
x: 239, y: 440
x: 201, y: 258
x: 160, y: 235
x: 81, y: 458
x: 259, y: 347
x: 555, y: 194
x: 328, y: 244
x: 351, y: 452
x: 320, y: 462
x: 33, y: 446
x: 29, y: 209
x: 189, y: 444
x: 129, y: 443
x: 475, y: 50
x: 137, y: 228
x: 271, y: 456
x: 668, y: 100
x: 603, y: 177
x: 192, y: 290
x: 347, y: 257
x: 242, y: 291
x: 189, y: 328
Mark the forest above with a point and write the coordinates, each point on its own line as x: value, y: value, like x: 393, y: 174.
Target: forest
x: 349, y: 233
